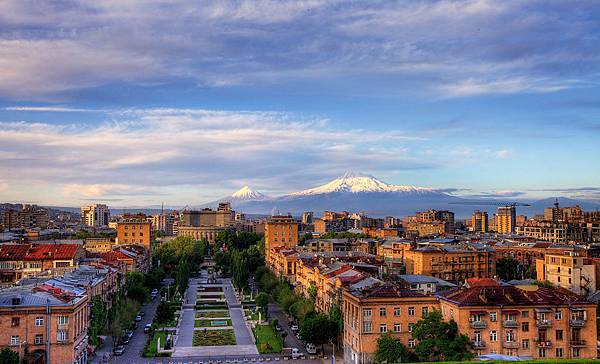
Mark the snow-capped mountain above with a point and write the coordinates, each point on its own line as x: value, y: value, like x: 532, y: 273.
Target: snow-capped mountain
x: 358, y: 183
x: 246, y: 193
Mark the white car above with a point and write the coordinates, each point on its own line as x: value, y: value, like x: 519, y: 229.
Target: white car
x: 311, y: 348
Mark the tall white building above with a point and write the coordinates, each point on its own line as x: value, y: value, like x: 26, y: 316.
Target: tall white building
x: 95, y: 215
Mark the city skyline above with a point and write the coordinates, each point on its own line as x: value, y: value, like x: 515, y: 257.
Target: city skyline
x: 476, y: 98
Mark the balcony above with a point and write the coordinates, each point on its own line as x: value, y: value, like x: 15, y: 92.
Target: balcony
x: 478, y: 324
x: 578, y: 343
x: 544, y: 344
x: 577, y: 322
x: 510, y: 323
x: 544, y: 323
x: 511, y: 345
x: 478, y: 344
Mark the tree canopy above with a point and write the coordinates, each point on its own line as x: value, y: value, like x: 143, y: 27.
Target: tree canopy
x: 391, y: 350
x: 440, y: 340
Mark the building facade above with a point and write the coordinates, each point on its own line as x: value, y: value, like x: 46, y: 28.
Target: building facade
x: 95, y: 215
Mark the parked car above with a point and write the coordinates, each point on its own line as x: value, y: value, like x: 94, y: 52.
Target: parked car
x: 138, y: 318
x: 141, y: 313
x: 129, y: 333
x: 124, y: 340
x: 119, y: 350
x: 147, y: 328
x: 277, y: 328
x: 311, y: 348
x: 294, y: 328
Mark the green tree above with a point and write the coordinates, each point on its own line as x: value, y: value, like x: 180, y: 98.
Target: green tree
x: 440, y: 340
x: 7, y: 356
x: 301, y: 308
x: 98, y: 320
x: 165, y: 312
x: 508, y: 269
x: 318, y: 329
x: 239, y: 263
x: 312, y: 292
x: 262, y: 301
x: 134, y: 285
x: 391, y: 350
x: 183, y: 274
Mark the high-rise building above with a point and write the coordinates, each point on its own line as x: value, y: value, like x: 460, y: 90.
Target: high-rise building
x: 307, y: 217
x: 95, y: 215
x: 506, y: 219
x: 479, y: 221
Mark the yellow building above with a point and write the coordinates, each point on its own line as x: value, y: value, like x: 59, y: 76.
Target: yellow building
x: 280, y: 231
x: 506, y: 220
x: 569, y: 269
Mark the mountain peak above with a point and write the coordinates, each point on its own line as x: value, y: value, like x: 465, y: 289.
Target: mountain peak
x: 353, y: 182
x: 246, y: 193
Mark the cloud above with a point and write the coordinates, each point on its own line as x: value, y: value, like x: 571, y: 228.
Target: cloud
x: 446, y: 48
x: 49, y: 109
x: 171, y: 152
x: 497, y: 194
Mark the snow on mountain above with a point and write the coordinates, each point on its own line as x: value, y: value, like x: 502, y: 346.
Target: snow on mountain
x: 360, y: 183
x: 246, y: 193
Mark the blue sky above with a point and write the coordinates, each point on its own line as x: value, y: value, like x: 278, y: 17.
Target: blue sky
x: 136, y: 103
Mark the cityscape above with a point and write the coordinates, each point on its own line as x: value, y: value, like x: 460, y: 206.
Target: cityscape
x: 316, y: 182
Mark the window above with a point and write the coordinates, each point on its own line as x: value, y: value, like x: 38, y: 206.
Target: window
x: 525, y: 326
x: 424, y: 311
x: 39, y: 339
x: 15, y: 321
x: 576, y: 352
x: 382, y: 311
x: 542, y: 353
x: 411, y: 311
x: 510, y: 336
x: 558, y: 315
x: 383, y: 328
x: 367, y: 312
x: 367, y: 327
x: 525, y: 314
x: 397, y: 328
x: 559, y: 352
x: 396, y: 311
x: 525, y: 344
x: 63, y: 320
x: 61, y: 336
x: 493, y: 316
x: 14, y: 340
x: 559, y: 334
x: 39, y: 321
x: 410, y: 327
x: 411, y: 343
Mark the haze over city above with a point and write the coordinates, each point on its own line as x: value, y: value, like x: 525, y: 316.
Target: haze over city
x: 115, y: 102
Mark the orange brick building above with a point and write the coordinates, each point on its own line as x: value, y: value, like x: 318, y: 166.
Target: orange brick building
x: 280, y: 231
x: 134, y: 229
x: 527, y: 321
x: 28, y: 314
x: 371, y: 311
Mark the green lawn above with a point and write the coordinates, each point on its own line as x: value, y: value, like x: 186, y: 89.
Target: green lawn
x: 253, y: 315
x: 214, y: 338
x: 150, y: 349
x: 545, y: 361
x: 267, y: 340
x: 212, y: 314
x: 207, y: 323
x: 169, y: 324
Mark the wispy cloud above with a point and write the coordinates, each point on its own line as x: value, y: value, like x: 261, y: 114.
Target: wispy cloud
x: 58, y: 109
x: 448, y: 48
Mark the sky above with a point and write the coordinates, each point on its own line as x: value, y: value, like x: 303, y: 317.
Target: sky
x: 135, y: 103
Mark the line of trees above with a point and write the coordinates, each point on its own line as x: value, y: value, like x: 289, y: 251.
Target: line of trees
x: 238, y: 254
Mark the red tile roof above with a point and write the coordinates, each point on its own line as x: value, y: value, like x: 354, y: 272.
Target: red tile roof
x: 510, y: 296
x: 388, y: 290
x: 482, y: 282
x: 113, y: 256
x: 13, y: 251
x: 52, y: 252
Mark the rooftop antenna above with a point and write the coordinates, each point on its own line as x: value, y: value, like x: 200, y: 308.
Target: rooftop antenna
x: 162, y: 208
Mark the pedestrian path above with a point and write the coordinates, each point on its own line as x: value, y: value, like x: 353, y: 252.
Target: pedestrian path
x: 188, y: 316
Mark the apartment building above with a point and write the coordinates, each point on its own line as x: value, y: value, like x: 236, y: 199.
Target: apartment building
x: 134, y: 229
x: 370, y: 311
x: 95, y: 215
x: 479, y: 222
x: 569, y: 268
x: 24, y: 216
x: 527, y: 321
x: 164, y: 223
x: 280, y: 231
x: 525, y: 252
x: 206, y: 223
x: 505, y: 220
x: 19, y: 261
x: 452, y: 262
x: 51, y: 322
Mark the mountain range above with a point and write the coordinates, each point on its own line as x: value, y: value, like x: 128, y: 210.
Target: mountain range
x: 361, y: 192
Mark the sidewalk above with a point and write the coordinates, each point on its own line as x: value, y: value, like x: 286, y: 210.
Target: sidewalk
x: 103, y: 354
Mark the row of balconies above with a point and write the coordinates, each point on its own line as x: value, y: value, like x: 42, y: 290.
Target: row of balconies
x: 478, y: 344
x: 514, y: 323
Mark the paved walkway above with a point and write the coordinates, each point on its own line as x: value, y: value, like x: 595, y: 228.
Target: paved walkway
x: 245, y: 344
x: 188, y: 316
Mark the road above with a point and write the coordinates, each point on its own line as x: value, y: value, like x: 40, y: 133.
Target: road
x: 291, y: 341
